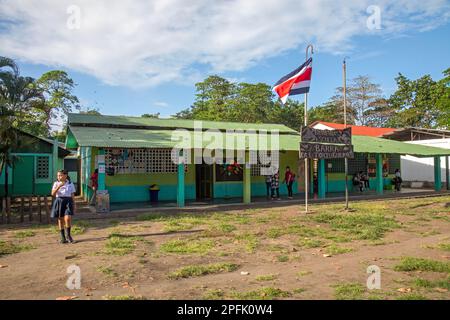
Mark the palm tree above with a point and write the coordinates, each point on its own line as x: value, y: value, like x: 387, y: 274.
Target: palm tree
x: 17, y: 96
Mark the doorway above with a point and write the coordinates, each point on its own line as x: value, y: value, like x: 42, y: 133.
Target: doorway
x: 204, y: 181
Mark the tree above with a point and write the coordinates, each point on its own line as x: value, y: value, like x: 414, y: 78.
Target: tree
x: 18, y: 96
x: 362, y: 94
x: 443, y: 101
x: 57, y: 87
x: 333, y: 110
x: 419, y: 103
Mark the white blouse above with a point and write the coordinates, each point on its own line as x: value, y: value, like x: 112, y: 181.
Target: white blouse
x: 65, y: 191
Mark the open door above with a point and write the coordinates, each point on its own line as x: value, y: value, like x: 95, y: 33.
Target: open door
x: 204, y: 181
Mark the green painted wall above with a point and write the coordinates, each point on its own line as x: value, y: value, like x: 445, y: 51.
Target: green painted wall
x: 27, y: 173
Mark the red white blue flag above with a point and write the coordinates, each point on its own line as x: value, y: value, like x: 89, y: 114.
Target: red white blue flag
x: 296, y: 82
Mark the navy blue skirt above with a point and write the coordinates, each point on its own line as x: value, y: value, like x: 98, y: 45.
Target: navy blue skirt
x: 62, y: 206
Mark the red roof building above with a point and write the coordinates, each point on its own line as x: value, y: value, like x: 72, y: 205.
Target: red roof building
x: 356, y: 130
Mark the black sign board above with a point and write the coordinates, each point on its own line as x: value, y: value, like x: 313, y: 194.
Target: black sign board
x: 325, y: 151
x: 327, y: 136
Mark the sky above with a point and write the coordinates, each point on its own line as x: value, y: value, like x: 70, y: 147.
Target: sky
x: 136, y: 57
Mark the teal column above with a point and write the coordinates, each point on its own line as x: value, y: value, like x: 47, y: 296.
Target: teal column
x: 180, y: 183
x: 247, y: 180
x: 447, y: 173
x: 321, y: 178
x: 437, y: 174
x: 379, y: 173
x: 55, y: 159
x: 101, y: 169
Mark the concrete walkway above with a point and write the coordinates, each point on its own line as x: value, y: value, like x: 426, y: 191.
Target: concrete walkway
x: 134, y: 209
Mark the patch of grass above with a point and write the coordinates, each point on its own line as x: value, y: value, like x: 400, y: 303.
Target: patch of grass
x: 311, y: 243
x: 119, y: 245
x: 299, y: 290
x: 283, y: 258
x: 24, y: 234
x: 268, y: 277
x: 363, y: 226
x: 180, y: 223
x: 274, y: 233
x: 224, y: 227
x: 349, y: 291
x: 187, y: 246
x: 80, y: 227
x: 108, y: 271
x: 429, y: 284
x: 124, y: 297
x: 151, y: 217
x: 201, y: 270
x: 250, y: 240
x: 7, y: 247
x: 214, y: 294
x: 419, y: 264
x: 266, y: 293
x: 335, y: 250
x: 444, y: 246
x: 412, y: 296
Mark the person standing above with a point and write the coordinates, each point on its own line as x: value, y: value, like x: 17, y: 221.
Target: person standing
x: 276, y: 185
x: 398, y: 180
x: 94, y: 185
x: 289, y: 178
x: 64, y: 205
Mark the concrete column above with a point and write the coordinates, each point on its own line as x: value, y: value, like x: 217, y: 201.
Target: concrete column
x: 101, y: 169
x: 447, y: 173
x: 321, y: 178
x: 437, y: 174
x: 379, y: 173
x: 247, y: 184
x: 55, y: 159
x: 180, y: 183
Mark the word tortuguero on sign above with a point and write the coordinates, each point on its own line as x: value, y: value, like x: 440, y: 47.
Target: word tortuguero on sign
x: 325, y: 151
x: 327, y: 136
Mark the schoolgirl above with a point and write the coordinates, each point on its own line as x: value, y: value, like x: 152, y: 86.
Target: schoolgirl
x: 63, y: 207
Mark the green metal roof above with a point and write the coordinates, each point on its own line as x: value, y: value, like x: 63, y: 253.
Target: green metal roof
x: 135, y: 132
x: 144, y: 138
x: 365, y: 144
x: 79, y: 119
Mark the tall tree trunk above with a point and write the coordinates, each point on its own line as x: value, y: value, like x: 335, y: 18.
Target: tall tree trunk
x: 6, y: 182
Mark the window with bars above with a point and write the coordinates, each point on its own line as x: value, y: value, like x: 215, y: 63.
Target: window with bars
x: 42, y: 167
x: 119, y: 161
x: 259, y: 161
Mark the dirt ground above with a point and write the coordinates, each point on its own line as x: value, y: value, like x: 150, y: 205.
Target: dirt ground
x: 269, y: 253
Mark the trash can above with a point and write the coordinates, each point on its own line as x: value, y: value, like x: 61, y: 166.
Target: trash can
x: 154, y: 190
x: 102, y: 201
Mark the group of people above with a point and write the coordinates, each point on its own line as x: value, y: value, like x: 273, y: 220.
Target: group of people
x: 273, y: 184
x: 362, y: 180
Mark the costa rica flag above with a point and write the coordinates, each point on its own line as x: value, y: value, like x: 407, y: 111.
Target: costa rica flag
x: 296, y: 82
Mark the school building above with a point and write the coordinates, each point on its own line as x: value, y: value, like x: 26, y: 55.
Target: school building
x: 35, y: 163
x: 133, y: 153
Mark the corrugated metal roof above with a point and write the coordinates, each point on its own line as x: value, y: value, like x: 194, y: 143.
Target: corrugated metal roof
x: 366, y: 144
x: 144, y: 138
x: 122, y: 121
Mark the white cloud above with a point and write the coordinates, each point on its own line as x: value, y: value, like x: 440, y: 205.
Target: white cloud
x: 145, y: 43
x: 161, y: 104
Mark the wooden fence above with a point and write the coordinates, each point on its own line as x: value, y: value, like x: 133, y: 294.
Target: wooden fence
x: 22, y: 209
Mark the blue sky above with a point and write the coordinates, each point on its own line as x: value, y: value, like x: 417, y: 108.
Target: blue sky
x: 122, y: 80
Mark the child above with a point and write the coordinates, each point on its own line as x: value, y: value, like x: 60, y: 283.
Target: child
x: 276, y: 185
x: 94, y: 185
x: 289, y: 178
x: 63, y: 207
x: 269, y: 186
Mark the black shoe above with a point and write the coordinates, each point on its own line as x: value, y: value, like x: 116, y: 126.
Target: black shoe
x: 63, y: 237
x: 68, y: 236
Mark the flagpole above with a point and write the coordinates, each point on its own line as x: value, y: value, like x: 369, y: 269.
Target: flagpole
x: 344, y: 75
x: 306, y: 124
